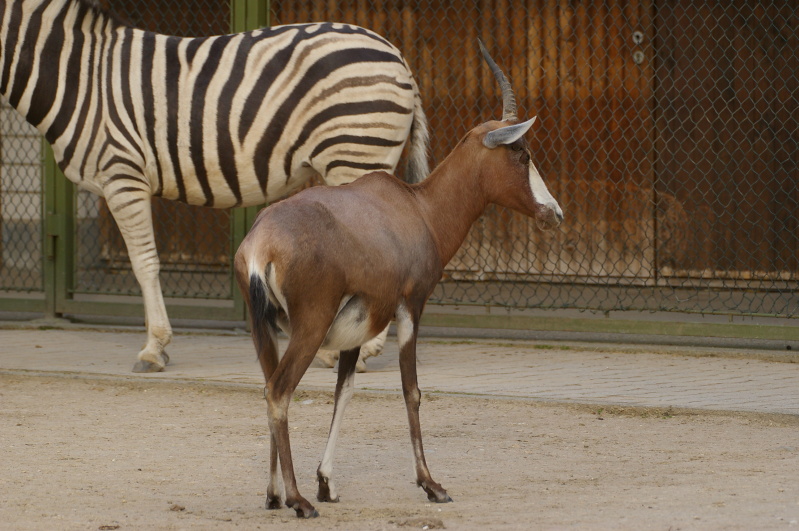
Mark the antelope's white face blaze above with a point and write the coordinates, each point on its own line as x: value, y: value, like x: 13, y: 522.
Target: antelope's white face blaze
x: 541, y: 194
x: 548, y: 211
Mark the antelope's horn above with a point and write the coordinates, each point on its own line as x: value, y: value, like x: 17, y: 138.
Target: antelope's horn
x: 508, y: 99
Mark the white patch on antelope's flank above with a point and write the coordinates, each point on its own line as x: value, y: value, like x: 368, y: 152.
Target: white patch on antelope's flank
x: 254, y: 270
x: 351, y: 327
x: 404, y: 326
x: 275, y: 295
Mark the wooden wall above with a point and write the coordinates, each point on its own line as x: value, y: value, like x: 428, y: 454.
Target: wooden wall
x: 571, y: 63
x: 728, y: 133
x: 667, y: 129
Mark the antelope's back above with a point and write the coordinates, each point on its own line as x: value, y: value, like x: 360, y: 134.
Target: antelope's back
x: 371, y: 232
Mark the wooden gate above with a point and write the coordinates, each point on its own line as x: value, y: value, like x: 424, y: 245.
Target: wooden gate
x: 667, y: 130
x: 728, y: 135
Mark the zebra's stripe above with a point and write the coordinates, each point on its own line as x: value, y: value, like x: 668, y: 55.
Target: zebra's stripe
x: 148, y: 101
x: 206, y: 121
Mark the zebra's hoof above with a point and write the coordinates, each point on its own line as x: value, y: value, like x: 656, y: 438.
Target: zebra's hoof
x: 146, y: 366
x: 327, y: 358
x: 150, y: 366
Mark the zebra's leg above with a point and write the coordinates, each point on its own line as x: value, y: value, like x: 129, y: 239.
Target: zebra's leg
x: 344, y: 390
x: 130, y: 205
x: 371, y: 348
x: 327, y: 357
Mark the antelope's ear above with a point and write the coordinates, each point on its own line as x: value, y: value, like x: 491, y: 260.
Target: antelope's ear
x: 507, y: 135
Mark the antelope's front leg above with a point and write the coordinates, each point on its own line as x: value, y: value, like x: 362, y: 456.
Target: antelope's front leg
x: 407, y: 329
x: 129, y: 203
x: 344, y: 391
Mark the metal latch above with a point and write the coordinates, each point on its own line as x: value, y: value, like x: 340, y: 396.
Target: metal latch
x: 53, y: 228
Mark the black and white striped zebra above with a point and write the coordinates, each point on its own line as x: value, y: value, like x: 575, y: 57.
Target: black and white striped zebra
x: 224, y: 121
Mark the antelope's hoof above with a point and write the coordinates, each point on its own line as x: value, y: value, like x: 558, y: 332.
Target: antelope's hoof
x: 442, y: 498
x: 436, y: 493
x: 303, y: 509
x: 313, y: 513
x: 323, y: 494
x: 273, y: 503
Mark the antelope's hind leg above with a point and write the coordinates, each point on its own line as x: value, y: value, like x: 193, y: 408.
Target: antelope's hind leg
x: 302, y: 347
x: 407, y: 330
x: 344, y: 391
x: 264, y: 334
x: 268, y: 358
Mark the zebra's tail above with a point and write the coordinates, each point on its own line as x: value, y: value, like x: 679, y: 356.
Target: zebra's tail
x: 417, y: 169
x: 263, y: 314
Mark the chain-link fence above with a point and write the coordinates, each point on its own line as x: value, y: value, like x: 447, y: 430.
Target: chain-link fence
x: 20, y: 204
x: 667, y: 130
x: 193, y: 242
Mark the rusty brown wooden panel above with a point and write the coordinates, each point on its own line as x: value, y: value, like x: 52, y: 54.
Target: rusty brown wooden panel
x: 728, y: 131
x: 571, y: 64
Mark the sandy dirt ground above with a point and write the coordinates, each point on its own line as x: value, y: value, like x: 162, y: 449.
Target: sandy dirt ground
x: 115, y: 454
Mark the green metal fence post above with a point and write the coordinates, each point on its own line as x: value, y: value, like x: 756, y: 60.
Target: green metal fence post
x: 245, y: 15
x: 58, y: 232
x: 248, y: 15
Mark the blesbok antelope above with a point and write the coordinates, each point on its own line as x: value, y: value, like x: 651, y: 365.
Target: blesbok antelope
x: 332, y: 266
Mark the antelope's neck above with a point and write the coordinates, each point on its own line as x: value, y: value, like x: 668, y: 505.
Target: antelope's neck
x: 451, y: 199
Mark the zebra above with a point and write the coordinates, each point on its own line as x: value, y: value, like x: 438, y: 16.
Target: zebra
x: 225, y: 121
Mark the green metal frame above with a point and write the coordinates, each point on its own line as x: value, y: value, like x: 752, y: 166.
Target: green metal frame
x: 58, y: 256
x: 58, y: 247
x: 58, y: 231
x: 245, y: 15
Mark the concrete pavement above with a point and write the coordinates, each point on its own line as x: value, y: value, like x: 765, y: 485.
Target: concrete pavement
x: 641, y: 376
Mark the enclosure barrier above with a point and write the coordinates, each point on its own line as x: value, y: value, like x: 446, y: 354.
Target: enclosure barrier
x: 667, y: 130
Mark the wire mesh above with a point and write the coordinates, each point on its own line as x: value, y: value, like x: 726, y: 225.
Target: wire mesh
x: 667, y: 130
x: 20, y: 204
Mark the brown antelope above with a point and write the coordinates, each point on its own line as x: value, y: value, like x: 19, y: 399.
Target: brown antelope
x: 333, y: 266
